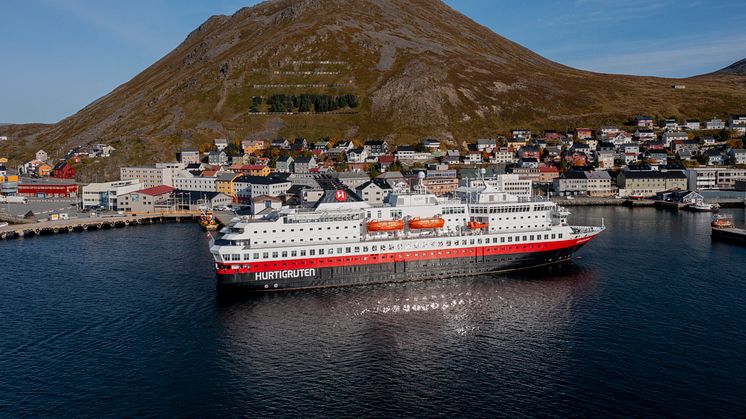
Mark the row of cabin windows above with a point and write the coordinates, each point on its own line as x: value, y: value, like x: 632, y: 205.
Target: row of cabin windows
x: 310, y: 240
x: 500, y: 210
x: 399, y: 246
x: 300, y: 230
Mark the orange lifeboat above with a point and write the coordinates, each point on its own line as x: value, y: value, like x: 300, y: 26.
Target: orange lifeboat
x: 473, y: 225
x: 425, y: 223
x: 392, y: 225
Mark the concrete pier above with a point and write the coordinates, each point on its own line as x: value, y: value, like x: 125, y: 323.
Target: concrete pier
x: 97, y: 223
x: 737, y: 235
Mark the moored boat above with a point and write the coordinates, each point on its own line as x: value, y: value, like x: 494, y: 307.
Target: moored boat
x: 722, y: 221
x: 208, y: 221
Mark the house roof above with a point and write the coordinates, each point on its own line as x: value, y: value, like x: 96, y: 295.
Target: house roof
x: 377, y: 143
x: 260, y: 180
x: 156, y: 190
x: 262, y: 198
x: 304, y: 160
x: 404, y: 148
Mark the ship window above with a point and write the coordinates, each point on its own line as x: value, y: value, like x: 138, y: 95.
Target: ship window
x: 265, y: 255
x: 524, y: 238
x: 532, y: 237
x: 479, y: 241
x: 246, y: 256
x: 375, y: 248
x: 560, y: 236
x: 275, y: 254
x: 357, y: 249
x: 510, y: 240
x: 471, y: 241
x: 302, y: 252
x: 285, y: 254
x: 339, y: 250
x: 348, y: 250
x: 502, y: 239
x: 256, y: 255
x: 554, y: 236
x: 294, y: 253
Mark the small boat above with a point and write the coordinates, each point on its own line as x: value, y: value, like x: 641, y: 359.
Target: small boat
x: 722, y: 221
x: 474, y: 225
x: 703, y: 207
x: 389, y: 225
x: 207, y: 221
x: 426, y: 223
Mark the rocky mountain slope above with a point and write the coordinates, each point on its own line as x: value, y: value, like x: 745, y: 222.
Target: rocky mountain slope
x: 419, y: 68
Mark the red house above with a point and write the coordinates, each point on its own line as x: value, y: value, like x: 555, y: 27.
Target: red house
x: 63, y: 170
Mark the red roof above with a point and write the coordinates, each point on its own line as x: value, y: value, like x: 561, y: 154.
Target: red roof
x: 156, y: 190
x: 548, y: 169
x: 386, y: 159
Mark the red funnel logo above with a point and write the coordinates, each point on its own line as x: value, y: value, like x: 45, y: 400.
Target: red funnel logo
x: 341, y: 195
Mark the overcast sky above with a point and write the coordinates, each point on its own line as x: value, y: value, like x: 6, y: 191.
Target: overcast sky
x: 59, y: 55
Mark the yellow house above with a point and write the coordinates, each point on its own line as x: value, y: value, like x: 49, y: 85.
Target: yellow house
x: 44, y: 170
x: 224, y: 184
x: 8, y: 178
x: 3, y: 160
x: 252, y: 146
x: 257, y: 170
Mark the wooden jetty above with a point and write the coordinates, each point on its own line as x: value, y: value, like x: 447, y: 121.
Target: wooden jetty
x: 94, y: 223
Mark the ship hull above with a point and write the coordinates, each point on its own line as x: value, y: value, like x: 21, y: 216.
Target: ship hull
x: 310, y: 277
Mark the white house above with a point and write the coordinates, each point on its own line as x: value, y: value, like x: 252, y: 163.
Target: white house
x: 221, y: 143
x: 737, y: 156
x: 669, y: 137
x: 736, y: 123
x: 105, y: 195
x: 42, y: 156
x: 486, y: 144
x: 714, y: 123
x: 357, y: 155
x: 692, y: 124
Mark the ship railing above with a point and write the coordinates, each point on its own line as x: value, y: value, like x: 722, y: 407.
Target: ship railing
x: 584, y: 230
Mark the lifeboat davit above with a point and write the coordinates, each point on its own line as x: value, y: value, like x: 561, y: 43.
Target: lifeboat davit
x: 425, y: 223
x: 473, y: 225
x: 392, y: 225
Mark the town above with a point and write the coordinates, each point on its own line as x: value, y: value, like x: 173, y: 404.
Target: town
x: 646, y: 158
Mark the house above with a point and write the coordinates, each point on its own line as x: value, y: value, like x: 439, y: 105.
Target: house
x: 357, y: 155
x: 63, y: 170
x: 3, y: 138
x: 692, y: 124
x: 621, y: 137
x: 322, y: 145
x: 264, y: 204
x: 576, y: 158
x: 553, y: 152
x: 251, y: 169
x: 670, y: 137
x: 43, y: 170
x: 299, y: 145
x: 42, y: 156
x: 431, y: 144
x: 644, y: 135
x: 671, y: 124
x: 376, y: 148
x: 486, y: 144
x: 714, y: 157
x: 528, y: 162
x: 503, y: 155
x: 246, y: 187
x: 649, y: 183
x: 101, y: 150
x: 608, y: 131
x: 280, y: 143
x: 690, y: 145
x: 605, y: 158
x: 735, y: 122
x: 156, y: 199
x: 218, y: 158
x: 529, y: 152
x: 599, y: 184
x: 106, y: 195
x: 284, y: 164
x: 405, y: 152
x: 583, y: 133
x: 189, y: 156
x: 680, y: 197
x: 473, y: 157
x: 196, y: 200
x: 571, y: 183
x: 221, y: 143
x: 642, y: 121
x: 737, y: 156
x: 657, y: 157
x: 253, y: 146
x: 374, y: 192
x: 708, y: 140
x: 150, y: 176
x: 685, y: 155
x: 352, y: 179
x: 386, y: 161
x: 547, y: 174
x: 452, y: 157
x: 46, y: 188
x: 304, y: 165
x: 715, y: 123
x: 523, y: 134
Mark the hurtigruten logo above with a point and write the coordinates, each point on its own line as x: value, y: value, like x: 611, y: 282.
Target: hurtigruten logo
x: 298, y: 273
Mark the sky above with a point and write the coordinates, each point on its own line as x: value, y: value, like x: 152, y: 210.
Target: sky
x: 57, y: 56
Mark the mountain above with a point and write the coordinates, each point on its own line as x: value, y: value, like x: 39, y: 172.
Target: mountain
x: 738, y: 69
x: 418, y: 68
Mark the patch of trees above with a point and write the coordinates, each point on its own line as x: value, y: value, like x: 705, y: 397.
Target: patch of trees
x: 305, y: 103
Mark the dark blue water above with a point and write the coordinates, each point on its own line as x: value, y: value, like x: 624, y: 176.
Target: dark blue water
x: 649, y: 321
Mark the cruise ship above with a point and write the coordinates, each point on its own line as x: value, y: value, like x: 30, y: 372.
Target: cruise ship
x: 343, y: 241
